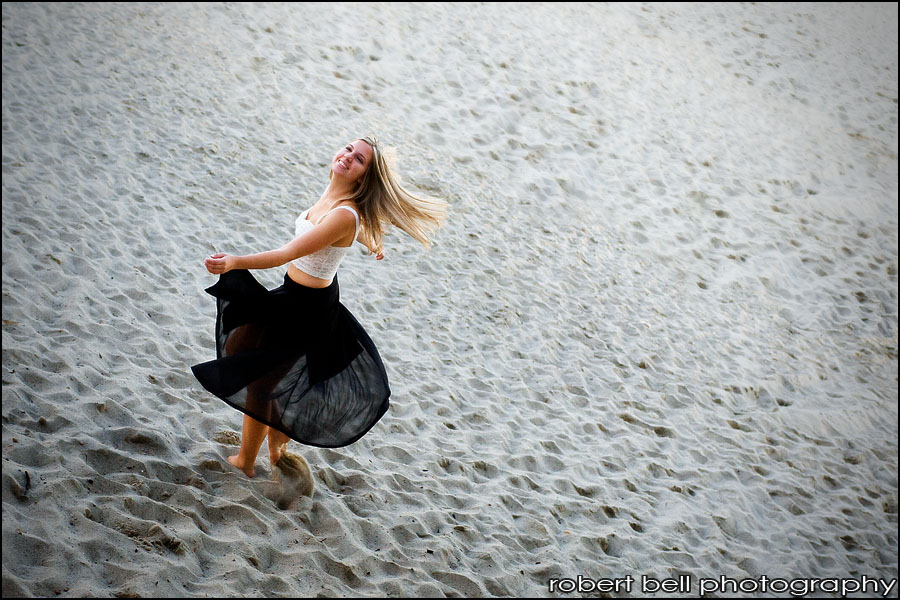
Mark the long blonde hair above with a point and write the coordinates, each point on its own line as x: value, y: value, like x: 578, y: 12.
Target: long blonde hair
x: 383, y: 202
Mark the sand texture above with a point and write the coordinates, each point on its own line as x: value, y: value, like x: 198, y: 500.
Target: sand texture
x: 656, y: 337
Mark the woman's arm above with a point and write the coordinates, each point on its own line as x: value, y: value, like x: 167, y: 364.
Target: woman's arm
x: 333, y: 228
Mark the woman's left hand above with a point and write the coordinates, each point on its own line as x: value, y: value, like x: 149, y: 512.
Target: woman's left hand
x: 219, y: 263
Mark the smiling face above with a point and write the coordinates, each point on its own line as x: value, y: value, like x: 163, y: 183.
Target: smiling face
x: 352, y: 161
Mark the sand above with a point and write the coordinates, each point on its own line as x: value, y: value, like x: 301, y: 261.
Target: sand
x: 656, y: 338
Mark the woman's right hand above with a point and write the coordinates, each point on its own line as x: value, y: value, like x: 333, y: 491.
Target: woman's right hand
x: 220, y: 263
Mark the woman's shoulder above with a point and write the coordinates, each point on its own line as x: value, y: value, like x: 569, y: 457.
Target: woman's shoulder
x: 345, y: 215
x: 349, y: 206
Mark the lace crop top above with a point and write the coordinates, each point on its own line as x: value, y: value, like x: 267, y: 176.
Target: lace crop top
x: 324, y: 263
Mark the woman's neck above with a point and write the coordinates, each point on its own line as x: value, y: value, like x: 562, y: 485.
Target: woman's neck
x: 337, y: 190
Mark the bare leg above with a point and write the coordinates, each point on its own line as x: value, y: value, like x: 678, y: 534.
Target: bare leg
x: 252, y: 437
x: 254, y: 432
x: 277, y: 444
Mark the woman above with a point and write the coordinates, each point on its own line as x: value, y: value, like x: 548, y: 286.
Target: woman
x: 293, y: 359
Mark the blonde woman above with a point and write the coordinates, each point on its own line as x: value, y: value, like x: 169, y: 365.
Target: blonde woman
x: 293, y: 359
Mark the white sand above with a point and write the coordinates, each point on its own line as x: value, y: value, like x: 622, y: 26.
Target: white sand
x: 658, y: 335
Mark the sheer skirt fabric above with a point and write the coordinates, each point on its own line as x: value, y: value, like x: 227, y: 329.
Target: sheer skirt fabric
x: 295, y: 359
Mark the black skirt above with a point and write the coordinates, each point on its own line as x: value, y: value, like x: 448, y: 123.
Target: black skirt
x: 295, y: 359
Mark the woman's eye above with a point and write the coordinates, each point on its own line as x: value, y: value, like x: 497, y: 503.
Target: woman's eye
x: 358, y: 157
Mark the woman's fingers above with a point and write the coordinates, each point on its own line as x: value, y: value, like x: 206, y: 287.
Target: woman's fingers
x: 215, y: 263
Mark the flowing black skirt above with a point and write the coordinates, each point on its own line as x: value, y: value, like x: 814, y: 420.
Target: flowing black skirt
x: 295, y: 359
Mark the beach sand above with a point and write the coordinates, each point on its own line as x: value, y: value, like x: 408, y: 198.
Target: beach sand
x: 657, y: 336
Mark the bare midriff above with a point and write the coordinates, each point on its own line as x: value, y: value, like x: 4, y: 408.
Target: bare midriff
x: 305, y: 279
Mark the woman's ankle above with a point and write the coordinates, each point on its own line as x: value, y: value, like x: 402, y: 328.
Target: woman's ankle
x: 238, y: 462
x: 277, y: 452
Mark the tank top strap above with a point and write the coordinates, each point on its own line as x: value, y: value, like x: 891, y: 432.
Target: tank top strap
x: 351, y: 209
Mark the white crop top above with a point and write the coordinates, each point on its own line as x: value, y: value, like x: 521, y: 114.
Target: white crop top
x: 324, y: 263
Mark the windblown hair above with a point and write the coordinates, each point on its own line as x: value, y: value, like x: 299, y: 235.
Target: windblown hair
x: 383, y: 202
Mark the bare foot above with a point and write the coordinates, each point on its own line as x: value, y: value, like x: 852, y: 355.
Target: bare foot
x: 234, y: 460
